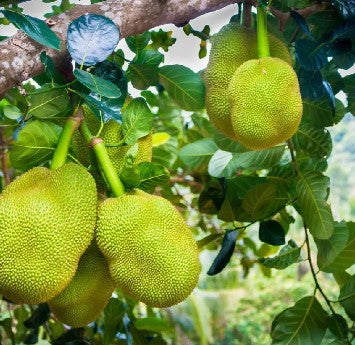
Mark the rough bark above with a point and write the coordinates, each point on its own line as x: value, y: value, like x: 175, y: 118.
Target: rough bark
x: 19, y: 55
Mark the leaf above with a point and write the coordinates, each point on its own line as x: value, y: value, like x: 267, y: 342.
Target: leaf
x: 96, y: 84
x: 343, y: 31
x: 153, y: 324
x: 113, y: 315
x: 207, y: 240
x: 198, y: 154
x: 91, y: 38
x: 318, y: 113
x: 35, y: 144
x: 160, y: 138
x: 227, y: 144
x: 6, y: 324
x: 315, y: 141
x: 304, y: 323
x: 152, y: 175
x: 11, y: 112
x: 225, y: 254
x: 311, y: 191
x: 225, y: 164
x: 271, y: 232
x: 311, y: 55
x: 336, y: 254
x: 184, y: 86
x: 38, y: 316
x: 161, y: 39
x: 347, y: 297
x: 345, y: 7
x: 50, y: 70
x: 138, y: 42
x: 48, y: 102
x: 35, y: 28
x: 301, y: 23
x: 338, y: 326
x: 311, y: 84
x: 137, y: 121
x: 287, y: 256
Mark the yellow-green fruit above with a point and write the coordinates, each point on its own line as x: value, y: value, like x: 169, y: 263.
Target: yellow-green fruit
x: 231, y: 47
x: 82, y: 301
x: 47, y: 220
x: 151, y: 252
x: 266, y: 104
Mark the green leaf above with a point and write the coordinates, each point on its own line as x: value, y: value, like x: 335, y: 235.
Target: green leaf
x: 138, y: 42
x: 35, y: 28
x: 271, y: 232
x: 47, y: 102
x: 198, y: 154
x: 207, y: 240
x: 304, y: 323
x: 347, y: 297
x: 113, y: 315
x: 311, y: 54
x: 313, y: 140
x: 6, y: 324
x: 311, y: 191
x: 185, y: 86
x: 287, y: 256
x: 11, y: 112
x: 50, y: 70
x: 137, y: 121
x: 336, y: 254
x: 35, y: 144
x: 96, y: 84
x: 227, y: 144
x: 224, y: 255
x: 161, y: 39
x: 153, y: 324
x: 151, y: 175
x: 225, y: 164
x: 338, y: 326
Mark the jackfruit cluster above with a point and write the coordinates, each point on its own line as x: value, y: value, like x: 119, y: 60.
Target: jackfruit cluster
x: 150, y: 250
x: 231, y: 48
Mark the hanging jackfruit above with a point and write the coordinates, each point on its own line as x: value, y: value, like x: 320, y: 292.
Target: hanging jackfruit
x: 47, y: 220
x: 231, y: 46
x: 83, y: 300
x: 150, y: 250
x: 265, y: 102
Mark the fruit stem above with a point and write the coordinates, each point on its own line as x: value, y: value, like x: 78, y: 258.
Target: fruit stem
x: 99, y: 148
x: 263, y: 41
x: 61, y: 152
x: 246, y: 17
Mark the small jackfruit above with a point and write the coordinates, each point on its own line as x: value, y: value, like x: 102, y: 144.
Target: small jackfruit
x: 231, y: 47
x: 82, y: 301
x: 150, y: 250
x: 265, y: 101
x: 47, y: 220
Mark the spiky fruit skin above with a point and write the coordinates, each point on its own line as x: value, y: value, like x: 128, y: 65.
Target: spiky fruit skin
x: 231, y: 47
x: 47, y: 220
x: 265, y: 101
x: 83, y: 300
x: 151, y: 252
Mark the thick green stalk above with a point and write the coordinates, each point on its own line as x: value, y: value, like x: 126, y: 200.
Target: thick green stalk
x: 103, y: 159
x: 263, y: 41
x: 61, y: 152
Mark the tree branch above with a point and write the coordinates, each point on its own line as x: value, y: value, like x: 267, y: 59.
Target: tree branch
x: 19, y: 55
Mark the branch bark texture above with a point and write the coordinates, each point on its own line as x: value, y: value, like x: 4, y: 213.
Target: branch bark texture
x: 19, y: 55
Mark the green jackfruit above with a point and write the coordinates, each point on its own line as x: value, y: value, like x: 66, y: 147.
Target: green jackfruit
x: 47, y: 220
x: 112, y: 135
x: 82, y: 301
x: 150, y: 250
x: 265, y: 101
x: 231, y: 47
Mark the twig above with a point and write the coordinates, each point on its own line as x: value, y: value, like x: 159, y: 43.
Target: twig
x: 184, y: 180
x: 293, y: 157
x: 3, y: 154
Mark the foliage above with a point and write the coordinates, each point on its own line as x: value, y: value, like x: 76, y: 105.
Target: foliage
x: 260, y: 213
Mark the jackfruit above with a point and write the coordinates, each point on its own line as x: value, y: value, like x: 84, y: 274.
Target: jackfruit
x: 47, y: 220
x: 82, y: 301
x: 112, y: 135
x: 231, y: 47
x: 265, y: 101
x: 150, y: 250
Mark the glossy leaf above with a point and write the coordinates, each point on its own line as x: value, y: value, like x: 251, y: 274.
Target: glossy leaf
x: 91, y: 38
x: 153, y: 324
x: 35, y: 144
x: 345, y: 7
x: 311, y: 55
x: 185, y: 87
x: 152, y: 175
x: 138, y: 42
x: 338, y: 326
x: 207, y: 240
x: 304, y: 323
x: 347, y: 297
x: 11, y: 112
x: 113, y: 315
x: 225, y: 253
x: 35, y: 28
x: 311, y: 190
x: 271, y: 232
x: 96, y: 84
x: 301, y: 23
x: 287, y: 256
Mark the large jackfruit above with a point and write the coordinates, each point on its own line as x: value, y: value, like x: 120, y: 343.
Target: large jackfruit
x: 47, y: 220
x: 151, y: 252
x: 231, y: 47
x: 266, y: 104
x: 112, y: 135
x: 82, y: 301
